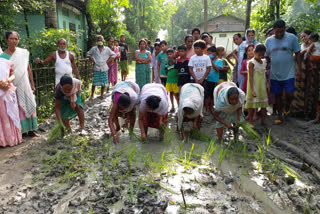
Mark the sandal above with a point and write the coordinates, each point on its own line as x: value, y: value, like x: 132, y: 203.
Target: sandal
x: 286, y: 114
x: 277, y: 122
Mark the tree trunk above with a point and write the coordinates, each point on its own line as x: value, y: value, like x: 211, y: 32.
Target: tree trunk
x: 205, y: 27
x: 271, y: 8
x: 278, y: 9
x: 51, y: 15
x: 248, y: 14
x: 91, y: 27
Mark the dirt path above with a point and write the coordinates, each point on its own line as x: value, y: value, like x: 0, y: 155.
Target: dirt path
x: 91, y: 175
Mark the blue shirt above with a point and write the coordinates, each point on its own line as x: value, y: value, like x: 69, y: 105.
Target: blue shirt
x: 281, y: 52
x: 213, y: 76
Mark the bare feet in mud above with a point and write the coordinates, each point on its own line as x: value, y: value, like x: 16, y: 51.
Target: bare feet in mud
x: 32, y: 134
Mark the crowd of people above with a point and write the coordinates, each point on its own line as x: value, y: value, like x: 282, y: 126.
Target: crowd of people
x: 279, y: 74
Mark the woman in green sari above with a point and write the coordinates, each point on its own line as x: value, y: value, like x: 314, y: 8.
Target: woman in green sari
x: 68, y: 101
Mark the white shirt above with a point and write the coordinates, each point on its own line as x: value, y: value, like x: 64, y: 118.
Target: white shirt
x: 317, y: 47
x: 62, y: 67
x: 100, y: 58
x: 199, y: 64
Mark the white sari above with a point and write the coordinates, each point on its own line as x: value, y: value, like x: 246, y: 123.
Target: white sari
x: 9, y: 96
x: 26, y: 99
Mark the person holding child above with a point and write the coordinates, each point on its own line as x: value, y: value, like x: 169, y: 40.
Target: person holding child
x: 172, y: 78
x: 143, y: 60
x: 223, y: 72
x: 190, y: 106
x: 257, y: 89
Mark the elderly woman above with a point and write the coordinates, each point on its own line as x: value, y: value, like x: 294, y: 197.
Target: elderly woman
x: 228, y: 100
x: 124, y: 100
x: 68, y: 101
x: 153, y: 110
x: 24, y: 83
x: 190, y: 106
x: 10, y: 127
x: 143, y: 60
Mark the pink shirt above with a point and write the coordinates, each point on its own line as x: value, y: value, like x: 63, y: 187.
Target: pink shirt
x: 190, y: 53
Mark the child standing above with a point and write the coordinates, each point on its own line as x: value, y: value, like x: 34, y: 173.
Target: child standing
x: 172, y: 78
x: 213, y: 76
x: 248, y: 55
x: 162, y: 62
x: 223, y: 73
x: 257, y: 89
x: 199, y: 65
x: 182, y: 66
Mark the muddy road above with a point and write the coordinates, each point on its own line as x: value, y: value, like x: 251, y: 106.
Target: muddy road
x: 89, y: 174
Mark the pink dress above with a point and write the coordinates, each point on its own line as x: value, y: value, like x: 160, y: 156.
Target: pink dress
x: 10, y: 134
x: 113, y: 69
x: 244, y: 69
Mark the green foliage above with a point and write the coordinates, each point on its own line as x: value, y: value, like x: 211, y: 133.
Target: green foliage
x: 10, y: 8
x: 198, y: 135
x: 57, y: 131
x: 144, y: 18
x: 45, y: 41
x: 223, y: 152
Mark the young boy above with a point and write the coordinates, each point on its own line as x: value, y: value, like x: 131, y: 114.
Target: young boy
x: 223, y: 73
x: 182, y: 66
x: 199, y: 65
x: 124, y: 69
x: 162, y: 62
x: 172, y: 78
x: 213, y: 76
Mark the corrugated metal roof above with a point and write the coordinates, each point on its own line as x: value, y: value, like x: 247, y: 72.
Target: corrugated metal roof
x: 226, y: 28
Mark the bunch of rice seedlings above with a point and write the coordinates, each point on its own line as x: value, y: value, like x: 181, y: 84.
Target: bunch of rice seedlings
x: 198, y: 135
x: 58, y: 131
x: 134, y: 136
x: 168, y: 134
x: 248, y: 129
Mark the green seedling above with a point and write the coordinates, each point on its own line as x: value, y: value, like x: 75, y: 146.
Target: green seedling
x: 223, y: 153
x: 58, y: 131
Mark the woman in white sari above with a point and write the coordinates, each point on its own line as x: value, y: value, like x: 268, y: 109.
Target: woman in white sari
x: 24, y: 82
x: 10, y: 128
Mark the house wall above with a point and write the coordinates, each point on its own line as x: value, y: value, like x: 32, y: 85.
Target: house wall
x: 36, y: 23
x: 224, y: 39
x: 72, y: 19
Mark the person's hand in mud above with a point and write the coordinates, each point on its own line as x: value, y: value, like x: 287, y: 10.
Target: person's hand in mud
x: 73, y: 105
x: 115, y: 139
x: 143, y: 137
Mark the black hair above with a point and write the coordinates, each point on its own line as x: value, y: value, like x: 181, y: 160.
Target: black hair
x: 260, y: 48
x: 188, y: 109
x: 149, y: 42
x: 195, y: 29
x: 182, y: 47
x: 212, y: 49
x: 122, y: 35
x: 245, y: 55
x: 269, y: 31
x: 65, y: 79
x: 187, y: 37
x: 232, y: 91
x: 163, y: 42
x: 291, y: 30
x: 124, y: 100
x: 142, y: 40
x: 158, y: 39
x: 116, y: 41
x: 308, y: 32
x: 211, y: 37
x: 204, y: 36
x: 237, y: 34
x: 314, y: 36
x: 156, y: 44
x: 199, y: 43
x: 279, y: 24
x: 109, y: 38
x: 153, y: 102
x: 174, y: 47
x: 11, y: 32
x: 170, y: 51
x: 250, y: 30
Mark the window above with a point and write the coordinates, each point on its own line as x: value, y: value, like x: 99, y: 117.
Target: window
x: 72, y: 27
x: 222, y: 35
x: 65, y: 12
x: 64, y: 25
